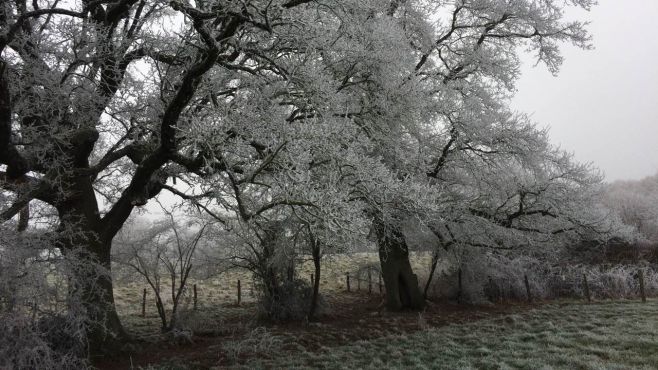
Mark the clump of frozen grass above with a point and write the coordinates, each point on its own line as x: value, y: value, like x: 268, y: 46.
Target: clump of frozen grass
x: 258, y: 341
x: 422, y: 322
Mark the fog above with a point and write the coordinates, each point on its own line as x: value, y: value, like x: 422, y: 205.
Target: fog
x: 603, y: 104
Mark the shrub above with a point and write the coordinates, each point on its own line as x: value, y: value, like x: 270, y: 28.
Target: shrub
x: 43, y: 316
x: 494, y: 278
x: 197, y: 322
x: 53, y: 343
x: 290, y: 302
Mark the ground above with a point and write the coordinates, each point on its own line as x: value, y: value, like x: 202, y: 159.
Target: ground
x: 357, y: 332
x: 231, y: 337
x: 606, y: 335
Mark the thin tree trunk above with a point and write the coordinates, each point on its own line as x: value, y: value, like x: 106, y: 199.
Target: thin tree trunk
x: 316, y: 282
x: 435, y: 261
x: 144, y: 303
x: 161, y: 311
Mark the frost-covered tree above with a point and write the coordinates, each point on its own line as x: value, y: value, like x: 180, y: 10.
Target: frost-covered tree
x: 636, y: 203
x: 458, y: 126
x: 354, y: 112
x: 164, y: 253
x: 102, y: 101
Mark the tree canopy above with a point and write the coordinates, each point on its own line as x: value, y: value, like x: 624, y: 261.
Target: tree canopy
x: 341, y: 114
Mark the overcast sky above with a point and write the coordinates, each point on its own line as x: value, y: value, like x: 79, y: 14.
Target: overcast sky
x: 603, y: 106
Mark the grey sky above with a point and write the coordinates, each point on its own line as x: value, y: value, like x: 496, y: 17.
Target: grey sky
x: 603, y: 106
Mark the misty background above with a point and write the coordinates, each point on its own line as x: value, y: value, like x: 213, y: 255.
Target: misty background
x: 602, y: 106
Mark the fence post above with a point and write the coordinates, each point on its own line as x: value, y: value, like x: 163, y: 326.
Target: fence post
x: 642, y: 292
x: 369, y: 281
x: 459, y: 285
x: 587, y: 293
x: 380, y: 283
x: 35, y: 308
x: 312, y: 280
x: 239, y: 292
x: 347, y: 278
x: 195, y: 297
x: 436, y: 290
x: 358, y: 281
x: 144, y: 303
x: 527, y: 288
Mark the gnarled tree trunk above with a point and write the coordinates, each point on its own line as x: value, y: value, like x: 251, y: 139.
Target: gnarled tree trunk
x: 91, y: 287
x: 83, y: 240
x: 106, y: 334
x: 402, y: 290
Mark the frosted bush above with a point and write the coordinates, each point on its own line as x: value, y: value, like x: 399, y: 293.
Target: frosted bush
x: 290, y: 302
x: 488, y: 278
x: 25, y: 344
x: 43, y: 317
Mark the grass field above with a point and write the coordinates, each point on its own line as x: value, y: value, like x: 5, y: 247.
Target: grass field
x: 606, y: 335
x: 358, y: 334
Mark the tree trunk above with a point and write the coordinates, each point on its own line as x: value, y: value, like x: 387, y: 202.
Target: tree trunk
x: 91, y: 275
x: 435, y: 261
x: 316, y: 282
x: 161, y: 312
x: 92, y: 287
x: 402, y: 290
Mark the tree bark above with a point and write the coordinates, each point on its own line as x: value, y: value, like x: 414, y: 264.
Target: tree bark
x: 93, y: 289
x: 435, y: 262
x: 82, y: 240
x: 402, y: 290
x: 107, y: 335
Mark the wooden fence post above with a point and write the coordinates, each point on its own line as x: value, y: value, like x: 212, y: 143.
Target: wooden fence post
x: 35, y: 308
x: 144, y: 303
x: 435, y: 288
x: 459, y: 285
x: 358, y: 281
x: 369, y: 281
x: 642, y: 291
x: 587, y: 293
x: 195, y: 297
x: 527, y: 288
x: 347, y: 278
x: 239, y: 293
x: 312, y: 280
x: 380, y: 283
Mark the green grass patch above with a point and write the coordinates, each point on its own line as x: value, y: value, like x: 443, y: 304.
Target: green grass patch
x: 606, y: 335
